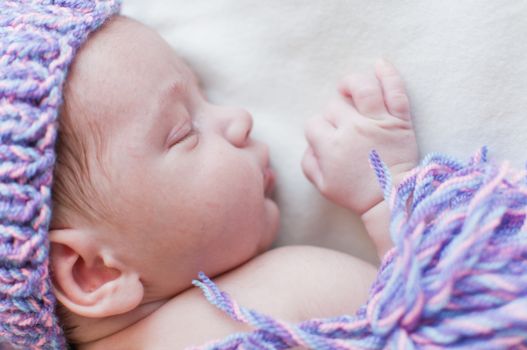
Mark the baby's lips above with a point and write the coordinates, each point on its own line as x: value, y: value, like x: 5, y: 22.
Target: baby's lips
x: 269, y: 181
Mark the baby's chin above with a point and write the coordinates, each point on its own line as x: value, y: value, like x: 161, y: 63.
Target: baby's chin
x: 273, y: 222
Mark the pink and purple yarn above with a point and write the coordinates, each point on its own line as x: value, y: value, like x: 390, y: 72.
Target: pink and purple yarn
x: 455, y: 279
x: 38, y: 40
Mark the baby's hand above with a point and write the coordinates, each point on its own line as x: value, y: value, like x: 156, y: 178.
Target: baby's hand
x: 369, y: 113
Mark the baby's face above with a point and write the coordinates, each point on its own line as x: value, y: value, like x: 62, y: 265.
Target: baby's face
x: 187, y: 185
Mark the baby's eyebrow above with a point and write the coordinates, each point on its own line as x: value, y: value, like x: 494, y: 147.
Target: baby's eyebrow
x: 175, y: 89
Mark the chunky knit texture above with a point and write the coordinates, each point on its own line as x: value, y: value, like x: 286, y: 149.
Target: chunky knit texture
x: 456, y: 278
x: 38, y: 40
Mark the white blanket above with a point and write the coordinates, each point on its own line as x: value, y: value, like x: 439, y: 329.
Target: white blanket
x: 464, y: 62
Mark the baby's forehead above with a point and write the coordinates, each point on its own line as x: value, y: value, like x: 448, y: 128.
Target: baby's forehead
x: 121, y: 72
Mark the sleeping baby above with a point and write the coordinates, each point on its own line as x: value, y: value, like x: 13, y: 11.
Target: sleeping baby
x: 122, y: 186
x: 154, y: 183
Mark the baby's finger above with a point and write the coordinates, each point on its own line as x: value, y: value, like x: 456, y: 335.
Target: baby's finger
x: 365, y: 92
x: 395, y: 97
x: 311, y: 168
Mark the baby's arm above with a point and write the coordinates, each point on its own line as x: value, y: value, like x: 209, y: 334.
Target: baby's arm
x: 370, y: 113
x: 291, y: 283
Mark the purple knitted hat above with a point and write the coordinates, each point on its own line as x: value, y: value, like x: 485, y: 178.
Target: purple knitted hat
x: 38, y: 41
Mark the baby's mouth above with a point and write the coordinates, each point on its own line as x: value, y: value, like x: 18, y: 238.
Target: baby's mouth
x: 269, y: 181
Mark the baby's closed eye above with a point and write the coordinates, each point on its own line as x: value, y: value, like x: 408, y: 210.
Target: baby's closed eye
x: 182, y: 133
x: 179, y: 133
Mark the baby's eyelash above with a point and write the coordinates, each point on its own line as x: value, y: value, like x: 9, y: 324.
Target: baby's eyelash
x: 191, y: 132
x: 182, y: 134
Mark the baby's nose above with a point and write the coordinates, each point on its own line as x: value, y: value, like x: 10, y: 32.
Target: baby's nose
x: 239, y: 127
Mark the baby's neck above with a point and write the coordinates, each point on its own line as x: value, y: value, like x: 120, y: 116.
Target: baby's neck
x: 87, y: 330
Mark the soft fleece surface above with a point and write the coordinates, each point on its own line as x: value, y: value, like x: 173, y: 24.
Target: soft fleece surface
x: 464, y: 62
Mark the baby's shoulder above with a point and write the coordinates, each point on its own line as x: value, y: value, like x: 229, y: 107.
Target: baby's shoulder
x: 288, y: 283
x: 318, y: 282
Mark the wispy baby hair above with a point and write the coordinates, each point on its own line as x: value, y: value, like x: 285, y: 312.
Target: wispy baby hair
x: 455, y: 279
x: 38, y: 40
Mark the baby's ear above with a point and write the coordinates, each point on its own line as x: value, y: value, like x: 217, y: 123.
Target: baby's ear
x: 87, y: 279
